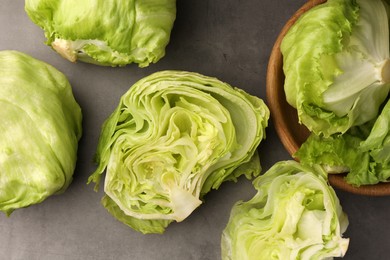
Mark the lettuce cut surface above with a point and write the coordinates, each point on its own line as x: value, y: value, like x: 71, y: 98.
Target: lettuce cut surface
x: 39, y: 131
x: 174, y: 136
x: 295, y: 214
x: 336, y: 63
x: 115, y: 32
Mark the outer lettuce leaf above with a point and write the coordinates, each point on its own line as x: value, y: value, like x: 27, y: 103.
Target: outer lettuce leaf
x: 295, y: 214
x: 106, y: 32
x: 336, y: 63
x: 38, y: 139
x: 173, y: 137
x: 362, y: 152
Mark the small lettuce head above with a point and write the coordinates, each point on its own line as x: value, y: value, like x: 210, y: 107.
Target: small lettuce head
x: 104, y: 32
x: 336, y: 64
x: 39, y: 131
x: 174, y: 136
x: 294, y: 215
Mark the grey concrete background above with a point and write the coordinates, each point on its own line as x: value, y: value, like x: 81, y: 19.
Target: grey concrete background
x: 228, y: 39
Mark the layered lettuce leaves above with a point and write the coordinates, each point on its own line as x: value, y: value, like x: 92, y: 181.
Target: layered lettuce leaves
x: 337, y: 67
x: 363, y: 152
x: 174, y: 136
x: 295, y: 214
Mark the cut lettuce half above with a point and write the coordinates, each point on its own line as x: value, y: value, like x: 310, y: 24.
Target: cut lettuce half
x: 174, y: 136
x: 295, y: 214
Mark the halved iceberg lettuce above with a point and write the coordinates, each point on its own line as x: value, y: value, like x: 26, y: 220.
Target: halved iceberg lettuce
x: 337, y: 64
x: 174, y: 136
x: 295, y: 214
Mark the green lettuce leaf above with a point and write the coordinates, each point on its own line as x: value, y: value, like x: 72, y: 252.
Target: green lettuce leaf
x: 362, y: 152
x: 103, y: 32
x: 173, y: 137
x: 336, y: 63
x: 295, y: 214
x: 39, y: 131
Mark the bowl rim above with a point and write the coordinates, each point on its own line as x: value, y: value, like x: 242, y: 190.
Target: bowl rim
x: 275, y: 65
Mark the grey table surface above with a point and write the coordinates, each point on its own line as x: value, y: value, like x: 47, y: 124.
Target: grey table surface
x: 227, y: 39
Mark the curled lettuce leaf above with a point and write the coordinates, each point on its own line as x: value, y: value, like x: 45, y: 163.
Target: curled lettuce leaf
x: 295, y: 214
x: 114, y: 33
x: 336, y: 63
x: 362, y: 152
x: 39, y: 131
x: 173, y: 137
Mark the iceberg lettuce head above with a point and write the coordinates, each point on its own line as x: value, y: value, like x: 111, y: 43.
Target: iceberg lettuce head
x: 115, y: 32
x: 39, y: 131
x: 174, y: 136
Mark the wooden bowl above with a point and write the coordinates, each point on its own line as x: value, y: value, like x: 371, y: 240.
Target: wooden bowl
x: 284, y: 116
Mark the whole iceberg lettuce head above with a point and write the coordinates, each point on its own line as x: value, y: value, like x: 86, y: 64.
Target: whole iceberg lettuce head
x: 115, y: 33
x: 174, y: 136
x: 39, y: 131
x: 336, y: 63
x: 294, y: 215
